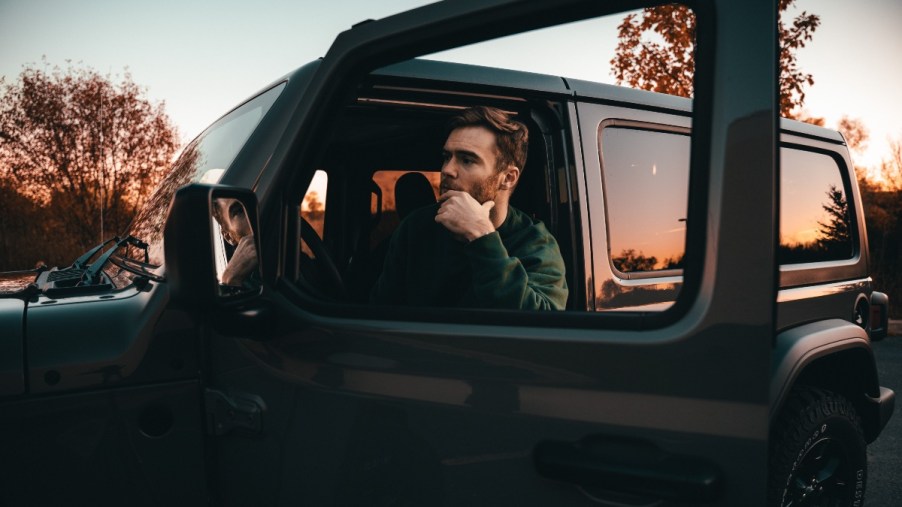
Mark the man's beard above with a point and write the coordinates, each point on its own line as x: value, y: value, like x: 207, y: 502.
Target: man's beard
x: 483, y: 191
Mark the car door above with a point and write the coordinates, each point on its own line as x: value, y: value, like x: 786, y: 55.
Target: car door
x: 338, y: 403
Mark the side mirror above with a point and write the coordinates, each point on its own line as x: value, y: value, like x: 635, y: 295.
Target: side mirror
x: 211, y: 245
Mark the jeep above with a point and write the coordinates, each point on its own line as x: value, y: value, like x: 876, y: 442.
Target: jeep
x: 715, y: 348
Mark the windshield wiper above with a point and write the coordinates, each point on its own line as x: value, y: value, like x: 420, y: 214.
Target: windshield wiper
x: 82, y: 277
x: 91, y: 274
x: 143, y: 270
x: 81, y: 262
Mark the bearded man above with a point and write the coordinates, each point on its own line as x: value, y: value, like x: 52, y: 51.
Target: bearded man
x: 472, y: 249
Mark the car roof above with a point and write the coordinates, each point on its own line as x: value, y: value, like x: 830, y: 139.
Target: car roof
x: 453, y: 74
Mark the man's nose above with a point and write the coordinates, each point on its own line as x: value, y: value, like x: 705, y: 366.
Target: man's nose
x: 449, y: 168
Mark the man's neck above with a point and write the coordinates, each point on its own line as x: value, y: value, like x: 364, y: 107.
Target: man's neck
x: 498, y: 213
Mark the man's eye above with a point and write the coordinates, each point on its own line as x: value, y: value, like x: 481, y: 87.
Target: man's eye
x: 235, y: 210
x: 446, y: 156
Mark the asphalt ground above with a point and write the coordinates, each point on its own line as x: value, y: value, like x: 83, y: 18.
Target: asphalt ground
x: 885, y: 454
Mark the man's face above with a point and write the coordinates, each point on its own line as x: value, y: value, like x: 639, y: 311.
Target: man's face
x: 232, y: 219
x: 470, y: 155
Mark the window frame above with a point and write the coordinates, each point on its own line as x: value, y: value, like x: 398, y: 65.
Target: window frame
x: 822, y: 272
x: 646, y: 126
x: 790, y: 275
x: 700, y: 158
x: 847, y: 192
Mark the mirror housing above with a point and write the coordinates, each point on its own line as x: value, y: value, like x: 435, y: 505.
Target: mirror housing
x: 189, y: 244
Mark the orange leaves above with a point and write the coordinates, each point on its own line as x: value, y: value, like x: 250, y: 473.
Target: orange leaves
x: 656, y: 52
x: 83, y: 147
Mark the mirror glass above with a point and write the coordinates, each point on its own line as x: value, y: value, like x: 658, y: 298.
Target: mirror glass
x: 234, y: 246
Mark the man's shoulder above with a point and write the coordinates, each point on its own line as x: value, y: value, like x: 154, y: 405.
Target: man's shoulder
x: 519, y: 226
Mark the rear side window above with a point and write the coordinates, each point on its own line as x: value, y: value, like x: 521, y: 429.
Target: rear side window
x: 646, y: 181
x: 815, y: 219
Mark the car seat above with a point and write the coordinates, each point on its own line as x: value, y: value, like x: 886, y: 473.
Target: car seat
x: 412, y: 191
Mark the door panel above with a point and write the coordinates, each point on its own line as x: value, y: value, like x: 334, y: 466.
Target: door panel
x: 450, y: 409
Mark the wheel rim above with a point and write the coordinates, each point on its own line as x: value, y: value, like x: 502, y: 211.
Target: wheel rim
x: 823, y: 476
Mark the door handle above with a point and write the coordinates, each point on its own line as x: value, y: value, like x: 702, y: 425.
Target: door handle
x: 628, y: 466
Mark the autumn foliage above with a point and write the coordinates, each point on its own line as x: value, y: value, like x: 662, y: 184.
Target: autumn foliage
x: 882, y: 200
x: 656, y: 52
x: 78, y: 156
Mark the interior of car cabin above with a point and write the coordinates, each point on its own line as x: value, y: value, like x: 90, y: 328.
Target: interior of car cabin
x: 391, y: 130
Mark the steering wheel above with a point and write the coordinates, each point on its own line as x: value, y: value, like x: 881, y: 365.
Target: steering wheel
x: 323, y: 259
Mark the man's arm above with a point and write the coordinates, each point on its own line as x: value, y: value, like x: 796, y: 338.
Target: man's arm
x: 242, y: 264
x: 531, y: 278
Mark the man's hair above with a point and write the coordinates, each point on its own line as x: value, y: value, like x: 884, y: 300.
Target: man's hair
x: 511, y: 136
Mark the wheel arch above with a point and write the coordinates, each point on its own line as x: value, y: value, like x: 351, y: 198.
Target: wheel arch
x: 831, y: 354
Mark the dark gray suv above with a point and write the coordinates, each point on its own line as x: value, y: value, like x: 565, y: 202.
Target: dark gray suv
x: 715, y: 348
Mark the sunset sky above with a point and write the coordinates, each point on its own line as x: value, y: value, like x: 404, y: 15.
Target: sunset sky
x: 203, y: 57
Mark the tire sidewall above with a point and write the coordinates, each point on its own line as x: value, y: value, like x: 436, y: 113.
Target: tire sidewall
x: 843, y: 428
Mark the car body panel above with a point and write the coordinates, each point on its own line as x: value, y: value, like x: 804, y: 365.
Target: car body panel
x: 366, y: 404
x: 12, y: 347
x: 138, y: 444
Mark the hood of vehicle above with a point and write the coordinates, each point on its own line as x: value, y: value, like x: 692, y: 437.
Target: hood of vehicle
x: 15, y: 282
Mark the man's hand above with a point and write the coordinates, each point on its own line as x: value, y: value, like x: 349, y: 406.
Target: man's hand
x: 242, y: 263
x: 464, y: 216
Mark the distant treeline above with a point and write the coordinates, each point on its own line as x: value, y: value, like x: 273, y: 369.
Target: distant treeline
x: 883, y: 215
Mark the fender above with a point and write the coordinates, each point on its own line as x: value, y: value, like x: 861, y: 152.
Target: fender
x: 833, y: 354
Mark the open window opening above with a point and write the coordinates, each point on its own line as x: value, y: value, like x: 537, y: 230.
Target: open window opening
x: 385, y: 162
x: 392, y: 122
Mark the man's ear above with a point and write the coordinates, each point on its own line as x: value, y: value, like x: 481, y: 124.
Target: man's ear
x: 509, y: 177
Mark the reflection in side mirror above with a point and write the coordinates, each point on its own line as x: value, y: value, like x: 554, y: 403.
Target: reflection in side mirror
x: 234, y: 246
x: 211, y: 247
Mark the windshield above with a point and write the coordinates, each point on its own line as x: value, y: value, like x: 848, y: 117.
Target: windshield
x: 204, y: 160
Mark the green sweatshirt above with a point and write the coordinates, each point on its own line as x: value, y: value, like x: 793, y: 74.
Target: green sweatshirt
x: 518, y: 267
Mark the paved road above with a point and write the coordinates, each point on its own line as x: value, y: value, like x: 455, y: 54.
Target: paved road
x: 885, y: 455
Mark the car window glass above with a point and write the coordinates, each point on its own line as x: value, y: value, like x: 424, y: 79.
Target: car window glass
x: 815, y: 219
x: 313, y: 206
x: 646, y: 181
x: 204, y: 159
x: 646, y: 186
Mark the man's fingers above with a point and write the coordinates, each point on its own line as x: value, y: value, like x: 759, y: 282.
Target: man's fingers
x: 488, y: 205
x: 447, y: 194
